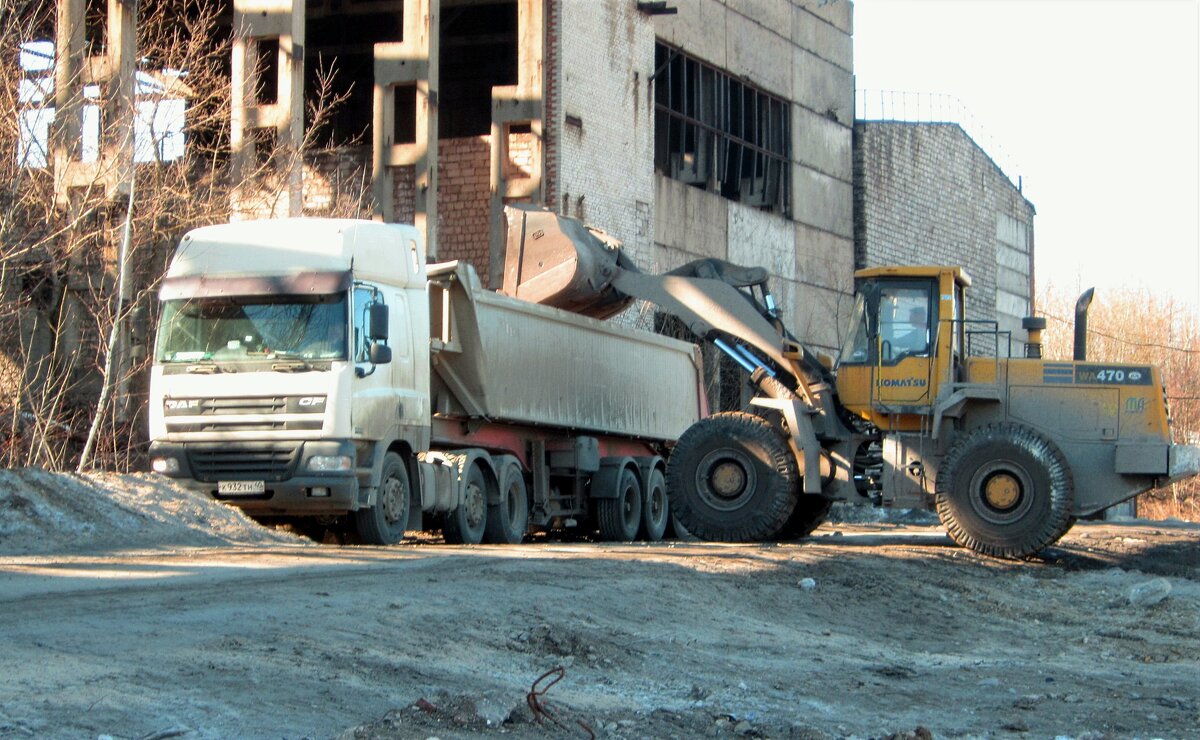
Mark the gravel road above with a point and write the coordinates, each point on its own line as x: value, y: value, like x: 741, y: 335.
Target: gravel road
x: 863, y: 630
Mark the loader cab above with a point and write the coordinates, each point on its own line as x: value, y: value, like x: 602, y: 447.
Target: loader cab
x: 905, y: 343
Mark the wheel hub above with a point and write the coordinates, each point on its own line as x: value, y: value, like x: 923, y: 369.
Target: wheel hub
x: 390, y: 498
x: 476, y: 509
x: 728, y: 478
x: 1002, y: 491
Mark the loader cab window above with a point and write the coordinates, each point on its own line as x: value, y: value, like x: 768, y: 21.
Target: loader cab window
x: 904, y: 326
x: 856, y: 350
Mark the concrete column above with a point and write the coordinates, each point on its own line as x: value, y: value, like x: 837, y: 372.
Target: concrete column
x: 521, y: 105
x: 411, y: 62
x: 255, y: 21
x: 114, y: 73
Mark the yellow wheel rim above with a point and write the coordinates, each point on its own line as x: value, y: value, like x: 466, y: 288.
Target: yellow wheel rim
x: 1002, y: 491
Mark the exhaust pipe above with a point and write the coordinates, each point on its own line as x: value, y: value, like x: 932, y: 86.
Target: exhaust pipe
x: 1081, y: 309
x: 1033, y: 326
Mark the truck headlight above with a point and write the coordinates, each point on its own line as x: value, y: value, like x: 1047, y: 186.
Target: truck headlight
x: 165, y: 465
x: 330, y: 463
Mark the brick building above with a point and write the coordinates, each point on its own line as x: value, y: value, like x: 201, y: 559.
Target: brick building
x: 926, y: 193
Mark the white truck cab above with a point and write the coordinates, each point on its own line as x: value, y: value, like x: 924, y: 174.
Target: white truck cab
x: 287, y: 351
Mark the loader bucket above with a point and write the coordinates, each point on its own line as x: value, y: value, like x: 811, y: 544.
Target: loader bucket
x: 557, y: 261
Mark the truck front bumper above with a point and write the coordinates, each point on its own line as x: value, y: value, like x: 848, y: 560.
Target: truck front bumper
x: 291, y: 485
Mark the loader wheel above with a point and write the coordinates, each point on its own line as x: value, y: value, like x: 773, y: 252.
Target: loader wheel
x: 385, y: 522
x: 508, y: 518
x: 466, y: 524
x: 620, y: 517
x: 811, y: 512
x: 732, y: 478
x: 1006, y: 491
x: 656, y: 510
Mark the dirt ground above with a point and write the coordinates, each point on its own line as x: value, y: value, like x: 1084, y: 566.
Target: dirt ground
x: 129, y: 609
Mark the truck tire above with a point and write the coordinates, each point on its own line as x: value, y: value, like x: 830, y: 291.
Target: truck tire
x: 467, y: 523
x: 385, y: 522
x: 656, y: 510
x: 811, y: 512
x: 1004, y: 490
x: 508, y: 518
x: 619, y: 517
x: 732, y: 478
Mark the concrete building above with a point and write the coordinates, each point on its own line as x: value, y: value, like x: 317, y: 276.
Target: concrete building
x: 686, y: 129
x: 926, y: 193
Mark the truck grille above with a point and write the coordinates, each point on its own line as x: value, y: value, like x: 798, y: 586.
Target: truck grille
x: 236, y: 426
x: 258, y: 461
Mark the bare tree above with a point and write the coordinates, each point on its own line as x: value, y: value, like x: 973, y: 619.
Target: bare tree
x: 58, y: 267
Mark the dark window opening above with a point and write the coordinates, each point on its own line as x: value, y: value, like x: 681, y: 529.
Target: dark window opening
x: 478, y: 52
x: 717, y: 133
x: 404, y: 129
x: 266, y: 67
x: 266, y: 146
x: 339, y: 48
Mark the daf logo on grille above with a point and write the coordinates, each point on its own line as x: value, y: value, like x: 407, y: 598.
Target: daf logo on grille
x: 182, y: 403
x: 311, y: 400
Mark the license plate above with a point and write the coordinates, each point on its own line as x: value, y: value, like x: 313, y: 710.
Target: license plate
x: 241, y: 487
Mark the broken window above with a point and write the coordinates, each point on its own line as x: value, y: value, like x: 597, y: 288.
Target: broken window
x: 719, y: 133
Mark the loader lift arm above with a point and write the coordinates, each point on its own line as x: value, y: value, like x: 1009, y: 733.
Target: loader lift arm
x: 560, y: 262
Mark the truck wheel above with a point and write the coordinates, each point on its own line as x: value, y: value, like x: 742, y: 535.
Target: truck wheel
x: 732, y: 478
x: 655, y: 509
x: 620, y: 517
x: 508, y: 518
x: 1004, y: 490
x: 385, y: 522
x: 466, y: 524
x: 811, y: 512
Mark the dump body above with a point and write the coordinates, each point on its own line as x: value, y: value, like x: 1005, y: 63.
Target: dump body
x: 504, y: 359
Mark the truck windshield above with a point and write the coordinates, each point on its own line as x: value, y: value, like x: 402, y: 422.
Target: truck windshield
x: 247, y: 328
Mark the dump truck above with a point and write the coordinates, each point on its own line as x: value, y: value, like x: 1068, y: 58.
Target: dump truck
x: 922, y: 408
x: 318, y: 370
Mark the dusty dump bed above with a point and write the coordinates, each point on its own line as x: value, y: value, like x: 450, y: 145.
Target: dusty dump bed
x: 504, y: 359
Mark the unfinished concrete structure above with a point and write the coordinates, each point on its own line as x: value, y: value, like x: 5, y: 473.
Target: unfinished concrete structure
x: 690, y: 128
x: 927, y: 193
x: 722, y: 129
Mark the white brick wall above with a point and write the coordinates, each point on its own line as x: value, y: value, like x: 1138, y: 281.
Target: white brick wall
x: 606, y: 165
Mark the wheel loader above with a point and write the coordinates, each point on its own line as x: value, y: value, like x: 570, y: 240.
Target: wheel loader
x: 923, y: 407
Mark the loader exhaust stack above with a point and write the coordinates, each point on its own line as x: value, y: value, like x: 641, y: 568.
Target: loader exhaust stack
x: 1081, y: 311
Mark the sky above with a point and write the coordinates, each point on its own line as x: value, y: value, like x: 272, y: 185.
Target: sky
x: 1093, y: 104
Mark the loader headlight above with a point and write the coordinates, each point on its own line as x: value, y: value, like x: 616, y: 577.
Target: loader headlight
x: 165, y: 465
x: 330, y: 463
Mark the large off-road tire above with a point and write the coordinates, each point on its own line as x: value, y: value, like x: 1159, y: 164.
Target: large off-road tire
x: 1006, y: 491
x: 508, y: 518
x: 656, y: 509
x: 732, y: 478
x: 385, y: 522
x: 811, y: 512
x: 620, y: 517
x: 467, y: 523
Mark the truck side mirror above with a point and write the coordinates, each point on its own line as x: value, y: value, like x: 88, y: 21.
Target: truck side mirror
x: 377, y: 327
x: 379, y: 354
